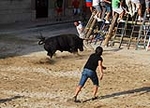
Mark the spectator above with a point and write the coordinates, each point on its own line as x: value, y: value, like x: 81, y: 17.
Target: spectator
x: 58, y: 7
x: 108, y: 10
x: 89, y: 5
x: 147, y: 3
x: 129, y: 8
x: 137, y: 7
x: 80, y: 29
x: 96, y: 5
x: 84, y: 12
x: 76, y: 9
x: 117, y: 7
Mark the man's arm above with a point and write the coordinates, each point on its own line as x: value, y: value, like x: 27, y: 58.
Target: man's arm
x: 100, y: 66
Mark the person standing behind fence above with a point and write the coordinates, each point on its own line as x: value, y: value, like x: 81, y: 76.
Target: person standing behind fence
x: 58, y: 6
x: 117, y: 7
x: 80, y: 29
x: 108, y: 10
x: 76, y: 9
x: 137, y: 7
x: 147, y: 3
x: 81, y: 34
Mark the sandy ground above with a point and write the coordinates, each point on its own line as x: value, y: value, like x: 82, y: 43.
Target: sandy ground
x: 30, y: 79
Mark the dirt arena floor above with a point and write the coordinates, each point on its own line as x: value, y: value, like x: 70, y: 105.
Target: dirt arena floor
x: 30, y: 79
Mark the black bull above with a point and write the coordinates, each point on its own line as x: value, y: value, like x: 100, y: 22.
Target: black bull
x: 63, y: 42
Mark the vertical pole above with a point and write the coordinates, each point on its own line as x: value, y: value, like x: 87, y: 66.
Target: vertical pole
x: 111, y: 28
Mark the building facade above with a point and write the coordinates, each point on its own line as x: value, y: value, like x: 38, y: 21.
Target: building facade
x: 12, y: 11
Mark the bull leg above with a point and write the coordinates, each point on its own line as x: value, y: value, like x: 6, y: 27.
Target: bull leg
x: 72, y: 48
x: 51, y: 53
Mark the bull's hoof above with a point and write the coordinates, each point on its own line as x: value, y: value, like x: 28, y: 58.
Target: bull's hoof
x: 49, y: 55
x: 76, y: 53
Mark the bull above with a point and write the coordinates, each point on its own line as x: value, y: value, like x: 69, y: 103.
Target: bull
x: 63, y: 42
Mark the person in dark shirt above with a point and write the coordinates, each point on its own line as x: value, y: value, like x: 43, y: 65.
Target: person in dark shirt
x: 95, y: 60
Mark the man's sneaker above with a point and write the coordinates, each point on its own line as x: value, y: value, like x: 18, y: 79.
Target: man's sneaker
x: 94, y: 98
x: 75, y: 100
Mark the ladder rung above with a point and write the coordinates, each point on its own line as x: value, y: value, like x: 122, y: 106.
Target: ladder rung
x: 135, y: 31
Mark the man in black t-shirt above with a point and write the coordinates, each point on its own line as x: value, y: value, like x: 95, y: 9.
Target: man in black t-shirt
x: 95, y: 60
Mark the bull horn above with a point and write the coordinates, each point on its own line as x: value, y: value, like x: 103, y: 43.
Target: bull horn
x: 41, y: 35
x: 38, y: 37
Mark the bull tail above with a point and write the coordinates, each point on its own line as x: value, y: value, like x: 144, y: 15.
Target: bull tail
x: 42, y: 39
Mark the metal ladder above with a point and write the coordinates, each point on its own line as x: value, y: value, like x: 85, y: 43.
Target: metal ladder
x: 121, y: 35
x: 90, y: 29
x: 148, y: 44
x: 144, y: 33
x: 134, y: 31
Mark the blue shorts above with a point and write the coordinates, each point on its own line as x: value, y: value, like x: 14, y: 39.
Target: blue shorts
x: 108, y: 7
x: 87, y: 73
x: 98, y: 8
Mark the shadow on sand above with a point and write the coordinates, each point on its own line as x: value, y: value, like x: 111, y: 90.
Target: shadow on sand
x: 143, y: 89
x: 9, y: 99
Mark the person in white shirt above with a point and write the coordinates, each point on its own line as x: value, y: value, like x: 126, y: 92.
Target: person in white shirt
x: 80, y: 29
x: 137, y: 7
x: 81, y: 34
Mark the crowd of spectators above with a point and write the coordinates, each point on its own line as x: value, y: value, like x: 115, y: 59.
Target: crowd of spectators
x: 106, y: 8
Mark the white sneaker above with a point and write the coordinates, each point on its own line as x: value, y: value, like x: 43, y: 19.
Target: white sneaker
x: 148, y: 15
x: 99, y: 20
x: 121, y: 20
x: 140, y: 18
x: 107, y: 22
x: 95, y: 17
